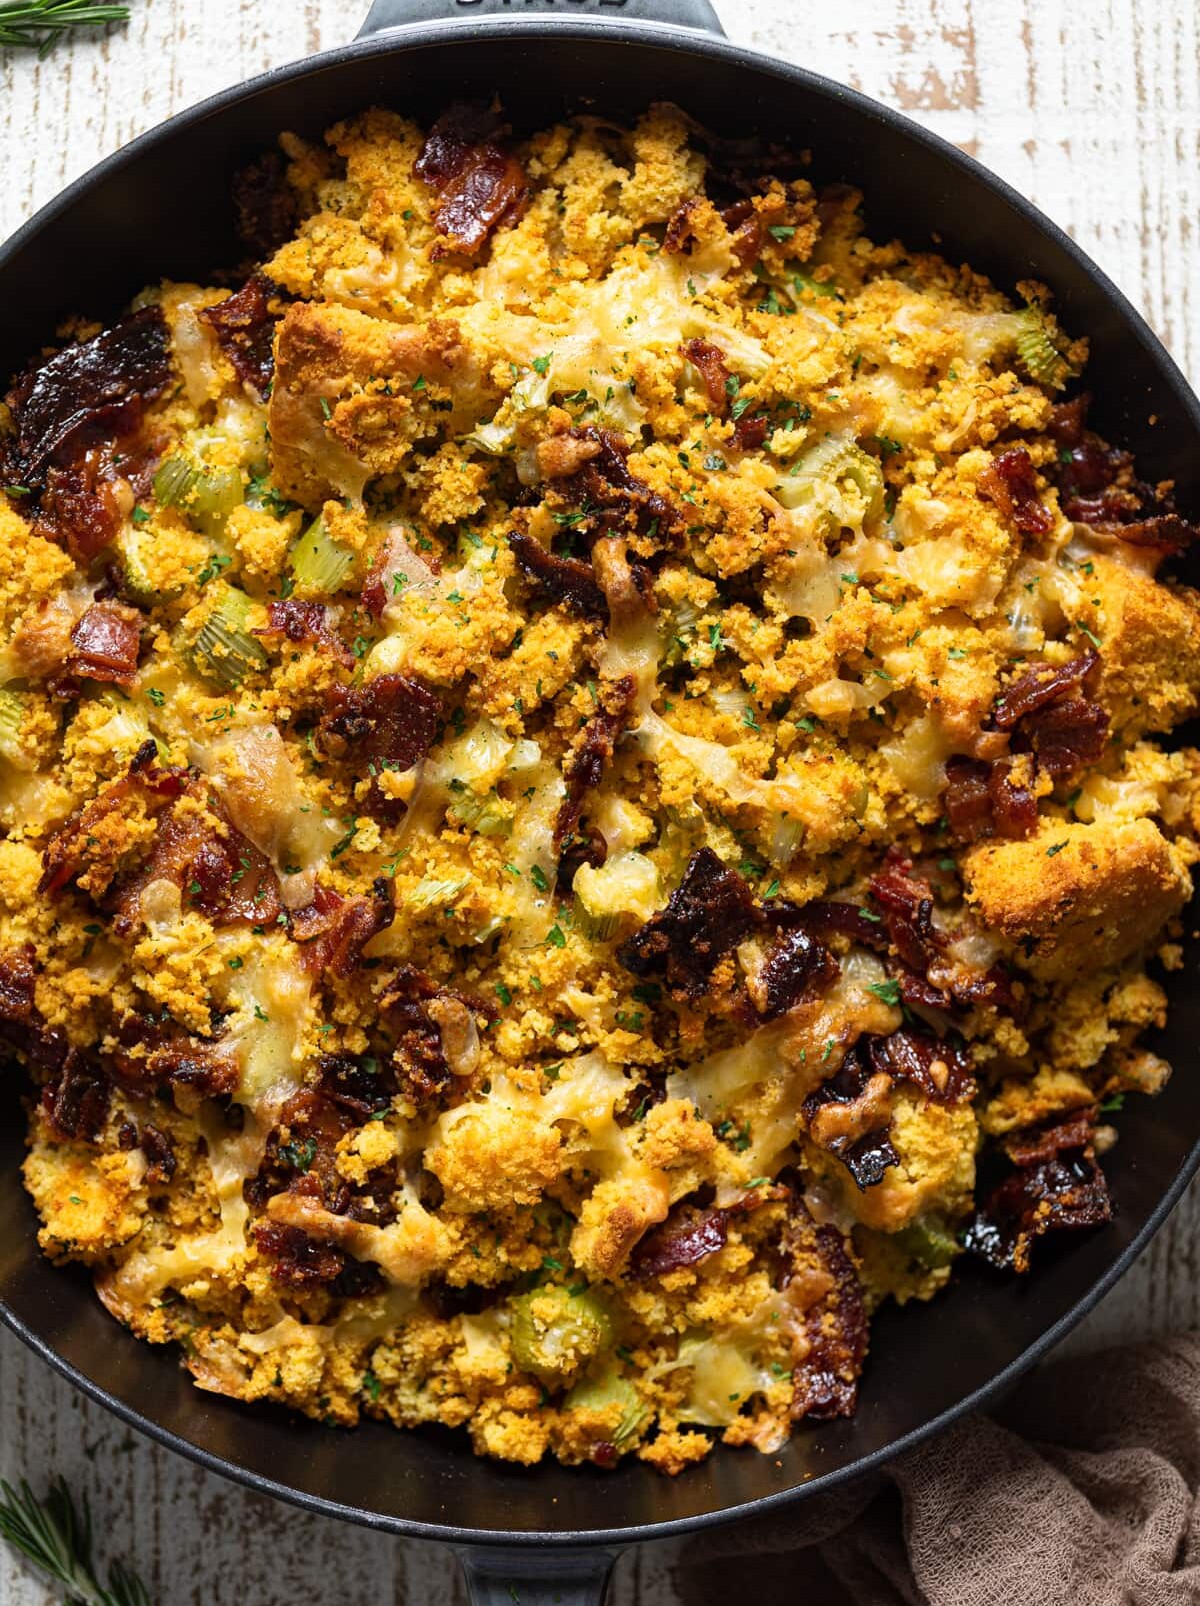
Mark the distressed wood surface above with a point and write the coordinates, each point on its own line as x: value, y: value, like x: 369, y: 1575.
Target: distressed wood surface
x: 1092, y: 110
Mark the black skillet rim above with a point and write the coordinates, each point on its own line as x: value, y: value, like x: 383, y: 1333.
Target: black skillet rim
x: 685, y: 41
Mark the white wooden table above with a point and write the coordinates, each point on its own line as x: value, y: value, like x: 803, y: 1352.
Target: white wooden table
x: 1091, y: 107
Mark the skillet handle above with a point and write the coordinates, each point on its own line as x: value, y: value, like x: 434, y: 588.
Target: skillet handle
x: 536, y: 1577
x: 682, y: 13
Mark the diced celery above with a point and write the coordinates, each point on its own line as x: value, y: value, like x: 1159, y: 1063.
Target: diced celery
x: 433, y: 894
x: 603, y: 1392
x: 225, y: 650
x: 12, y: 718
x: 628, y: 884
x: 487, y: 814
x: 1037, y: 352
x: 555, y: 1332
x: 318, y: 563
x: 205, y: 496
x: 829, y: 462
x: 930, y: 1243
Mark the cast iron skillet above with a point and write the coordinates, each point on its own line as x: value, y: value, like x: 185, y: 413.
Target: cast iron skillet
x: 162, y: 207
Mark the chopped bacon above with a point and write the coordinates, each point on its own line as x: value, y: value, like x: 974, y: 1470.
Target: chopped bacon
x: 866, y: 1155
x: 745, y: 223
x: 939, y: 1067
x: 264, y: 204
x: 297, y: 1260
x: 1039, y: 687
x: 481, y: 186
x: 1046, y: 719
x: 81, y: 503
x: 690, y: 1234
x: 1166, y: 532
x: 159, y: 1152
x: 832, y: 1345
x: 418, y: 1056
x: 751, y: 431
x: 75, y: 1102
x: 709, y: 362
x: 220, y: 872
x: 1055, y: 1184
x: 69, y: 852
x: 390, y: 723
x: 150, y: 1055
x: 362, y: 1087
x: 681, y: 229
x: 1068, y: 736
x: 301, y: 622
x: 333, y: 930
x: 105, y: 644
x: 798, y: 967
x: 1009, y: 481
x: 708, y: 915
x: 585, y: 765
x: 76, y: 1096
x: 583, y: 847
x: 614, y: 499
x: 245, y: 329
x: 908, y: 916
x: 88, y: 392
x: 570, y: 581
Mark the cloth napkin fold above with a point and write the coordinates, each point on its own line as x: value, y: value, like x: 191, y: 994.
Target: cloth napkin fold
x: 1081, y: 1490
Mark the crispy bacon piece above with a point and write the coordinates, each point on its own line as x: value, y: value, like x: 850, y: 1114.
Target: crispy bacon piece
x: 333, y: 930
x: 866, y: 1155
x: 70, y: 850
x: 570, y: 581
x: 1055, y: 1184
x: 362, y: 1087
x: 681, y: 229
x: 150, y: 1055
x: 80, y: 504
x: 264, y: 204
x: 105, y: 644
x: 833, y: 1344
x: 481, y: 186
x: 390, y: 723
x: 75, y: 1101
x: 297, y: 1260
x: 76, y: 1096
x: 691, y: 1234
x: 585, y: 765
x: 746, y: 225
x: 1068, y: 736
x: 159, y: 1152
x: 1046, y: 718
x: 709, y: 362
x: 907, y: 906
x: 306, y: 622
x: 616, y: 501
x: 583, y: 847
x: 1166, y: 532
x: 419, y: 1057
x: 1037, y: 688
x: 798, y: 967
x: 220, y: 872
x: 939, y: 1067
x: 89, y: 392
x: 708, y: 915
x: 1010, y: 483
x: 751, y: 431
x: 245, y: 329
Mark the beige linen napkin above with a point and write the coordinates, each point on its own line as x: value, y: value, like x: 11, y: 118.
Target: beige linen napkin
x: 1079, y: 1491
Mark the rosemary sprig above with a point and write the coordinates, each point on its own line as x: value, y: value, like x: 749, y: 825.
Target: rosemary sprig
x: 58, y: 1539
x: 39, y: 24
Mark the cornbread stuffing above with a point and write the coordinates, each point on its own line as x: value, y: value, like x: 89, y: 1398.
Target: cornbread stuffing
x: 581, y: 789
